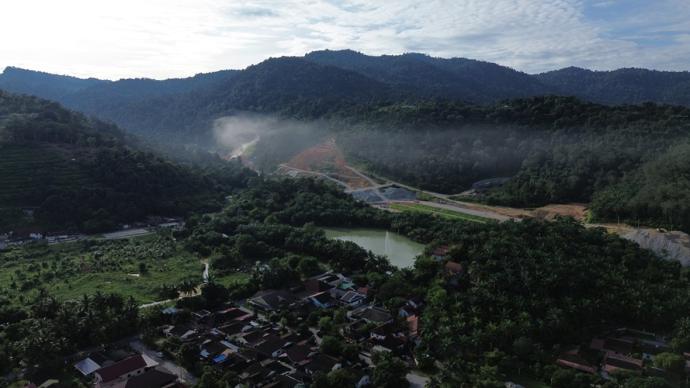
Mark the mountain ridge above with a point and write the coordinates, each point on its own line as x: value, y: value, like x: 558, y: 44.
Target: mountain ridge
x: 322, y: 82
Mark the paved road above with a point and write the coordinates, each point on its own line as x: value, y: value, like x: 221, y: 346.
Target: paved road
x: 315, y: 173
x: 120, y: 234
x: 474, y: 212
x: 172, y: 367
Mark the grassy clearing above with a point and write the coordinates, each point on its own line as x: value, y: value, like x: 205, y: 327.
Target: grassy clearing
x: 445, y: 213
x: 231, y: 279
x: 69, y: 271
x: 424, y: 196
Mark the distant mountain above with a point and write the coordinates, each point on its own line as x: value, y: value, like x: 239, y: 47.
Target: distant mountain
x: 82, y: 174
x: 455, y: 78
x: 623, y: 86
x: 45, y: 85
x: 185, y: 108
x: 330, y: 82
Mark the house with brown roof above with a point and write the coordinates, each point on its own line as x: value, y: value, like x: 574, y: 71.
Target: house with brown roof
x: 115, y: 375
x: 271, y: 346
x: 312, y: 286
x: 614, y: 362
x: 453, y: 268
x: 153, y: 378
x: 371, y: 314
x: 233, y: 329
x: 611, y: 344
x: 321, y: 363
x: 229, y: 315
x: 440, y: 252
x: 572, y: 359
x: 272, y: 300
x: 299, y: 354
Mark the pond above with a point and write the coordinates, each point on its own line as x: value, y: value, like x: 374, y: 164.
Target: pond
x: 400, y: 250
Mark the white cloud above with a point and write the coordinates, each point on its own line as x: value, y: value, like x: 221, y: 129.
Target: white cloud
x: 168, y: 38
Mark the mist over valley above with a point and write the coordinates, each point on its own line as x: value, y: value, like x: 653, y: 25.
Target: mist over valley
x: 398, y: 217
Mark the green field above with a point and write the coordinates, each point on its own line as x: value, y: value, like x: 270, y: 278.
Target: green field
x: 445, y: 213
x: 68, y: 271
x: 231, y: 279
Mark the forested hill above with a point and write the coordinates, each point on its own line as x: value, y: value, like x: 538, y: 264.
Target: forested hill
x: 623, y: 86
x: 454, y: 78
x: 83, y: 174
x: 485, y: 82
x: 324, y: 82
x: 46, y: 85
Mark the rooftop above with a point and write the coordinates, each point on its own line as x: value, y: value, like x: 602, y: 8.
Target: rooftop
x: 121, y: 368
x: 151, y: 379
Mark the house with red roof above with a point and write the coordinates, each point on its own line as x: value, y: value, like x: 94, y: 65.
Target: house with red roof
x: 117, y: 374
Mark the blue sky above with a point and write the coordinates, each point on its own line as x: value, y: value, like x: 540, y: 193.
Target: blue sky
x: 175, y: 38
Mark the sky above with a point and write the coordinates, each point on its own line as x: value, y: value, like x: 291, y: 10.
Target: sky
x: 114, y: 39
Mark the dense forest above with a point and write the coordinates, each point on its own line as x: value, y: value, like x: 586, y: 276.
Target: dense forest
x: 325, y: 83
x: 555, y: 149
x: 82, y: 174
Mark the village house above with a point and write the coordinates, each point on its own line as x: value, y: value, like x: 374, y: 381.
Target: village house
x: 321, y: 363
x: 322, y: 300
x: 182, y: 332
x: 299, y: 354
x: 352, y: 299
x: 453, y: 268
x: 92, y: 363
x: 117, y: 374
x: 231, y: 315
x: 272, y: 300
x: 440, y: 252
x: 153, y: 378
x: 614, y: 362
x: 201, y: 315
x: 621, y: 350
x: 267, y: 354
x: 573, y: 359
x: 371, y: 314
